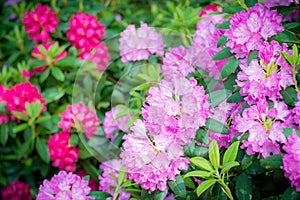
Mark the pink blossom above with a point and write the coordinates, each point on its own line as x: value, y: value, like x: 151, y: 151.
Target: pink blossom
x: 249, y: 29
x: 94, y: 185
x: 62, y: 154
x: 16, y: 190
x: 147, y: 162
x: 176, y: 110
x: 80, y: 117
x: 98, y: 56
x: 177, y: 62
x: 291, y: 160
x: 111, y: 123
x: 209, y: 9
x: 40, y: 22
x: 139, y: 44
x: 274, y: 3
x: 204, y: 45
x: 20, y: 94
x: 296, y: 111
x: 111, y: 167
x: 265, y: 127
x: 64, y: 186
x: 85, y: 33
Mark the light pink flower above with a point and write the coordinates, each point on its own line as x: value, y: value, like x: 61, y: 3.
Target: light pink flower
x: 62, y: 154
x: 291, y: 160
x: 80, y: 117
x: 64, y: 186
x: 99, y: 56
x: 139, y: 44
x: 40, y: 22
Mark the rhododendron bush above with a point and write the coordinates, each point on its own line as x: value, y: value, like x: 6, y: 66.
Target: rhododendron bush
x: 153, y: 100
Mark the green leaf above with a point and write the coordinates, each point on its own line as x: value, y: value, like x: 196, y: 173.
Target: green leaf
x: 57, y: 74
x: 98, y: 195
x: 285, y: 36
x: 235, y: 98
x: 42, y: 150
x: 232, y: 9
x: 224, y: 25
x: 290, y: 194
x: 19, y: 128
x: 202, y: 136
x: 295, y: 54
x: 289, y: 96
x: 86, y: 178
x: 229, y: 67
x: 216, y: 126
x: 286, y: 57
x: 198, y: 173
x: 3, y: 109
x: 287, y: 132
x: 272, y: 162
x: 122, y: 175
x: 178, y: 187
x: 189, y: 183
x: 69, y: 61
x: 37, y: 63
x: 222, y: 41
x: 252, y: 55
x: 74, y: 140
x: 53, y: 94
x: 243, y: 188
x: 224, y: 53
x: 217, y: 97
x: 204, y: 186
x: 20, y: 115
x: 160, y: 195
x: 43, y: 50
x: 250, y: 3
x: 4, y: 133
x: 52, y: 49
x: 291, y: 25
x: 226, y: 167
x: 43, y: 119
x: 90, y: 169
x: 45, y: 75
x: 231, y: 152
x: 214, y: 154
x: 202, y: 163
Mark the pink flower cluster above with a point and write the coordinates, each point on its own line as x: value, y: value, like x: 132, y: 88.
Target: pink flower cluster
x: 15, y: 191
x: 204, y: 45
x: 149, y: 164
x: 66, y: 186
x: 3, y: 117
x: 291, y: 160
x: 248, y: 30
x: 175, y: 110
x: 209, y: 9
x: 94, y: 185
x: 85, y: 33
x: 267, y: 77
x: 139, y: 44
x: 111, y: 123
x: 61, y: 153
x: 106, y: 181
x: 265, y: 126
x: 20, y: 94
x: 80, y: 117
x: 99, y: 56
x: 39, y: 23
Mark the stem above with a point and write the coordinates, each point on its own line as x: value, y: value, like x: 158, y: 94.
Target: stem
x: 35, y: 134
x: 53, y: 4
x: 294, y: 78
x: 184, y: 40
x: 116, y: 193
x: 81, y: 7
x: 243, y: 5
x: 226, y: 188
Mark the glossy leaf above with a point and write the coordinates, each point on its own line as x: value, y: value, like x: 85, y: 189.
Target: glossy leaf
x: 202, y: 163
x: 272, y: 162
x: 231, y: 152
x: 229, y: 67
x: 216, y: 126
x: 214, y: 154
x: 204, y: 186
x: 224, y: 53
x: 42, y: 150
x: 243, y: 187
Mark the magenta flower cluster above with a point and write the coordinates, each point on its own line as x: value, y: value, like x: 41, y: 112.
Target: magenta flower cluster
x: 16, y: 190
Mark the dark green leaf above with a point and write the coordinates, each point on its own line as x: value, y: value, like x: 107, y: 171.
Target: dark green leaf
x: 290, y: 194
x: 232, y: 9
x: 98, y: 195
x: 291, y: 25
x: 250, y: 3
x: 202, y: 163
x: 214, y: 154
x: 235, y: 98
x: 217, y: 97
x: 74, y: 140
x: 224, y: 53
x: 252, y: 55
x: 286, y: 37
x: 287, y: 132
x: 202, y: 136
x: 3, y: 109
x: 90, y: 169
x: 204, y: 186
x: 160, y: 195
x: 19, y: 128
x: 231, y: 152
x: 289, y: 96
x: 57, y: 74
x: 216, y: 126
x: 68, y: 61
x: 42, y: 150
x: 53, y: 94
x: 222, y: 41
x: 178, y: 187
x: 229, y: 67
x: 4, y: 133
x: 217, y: 193
x: 243, y: 188
x: 45, y: 75
x: 189, y: 183
x: 272, y: 162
